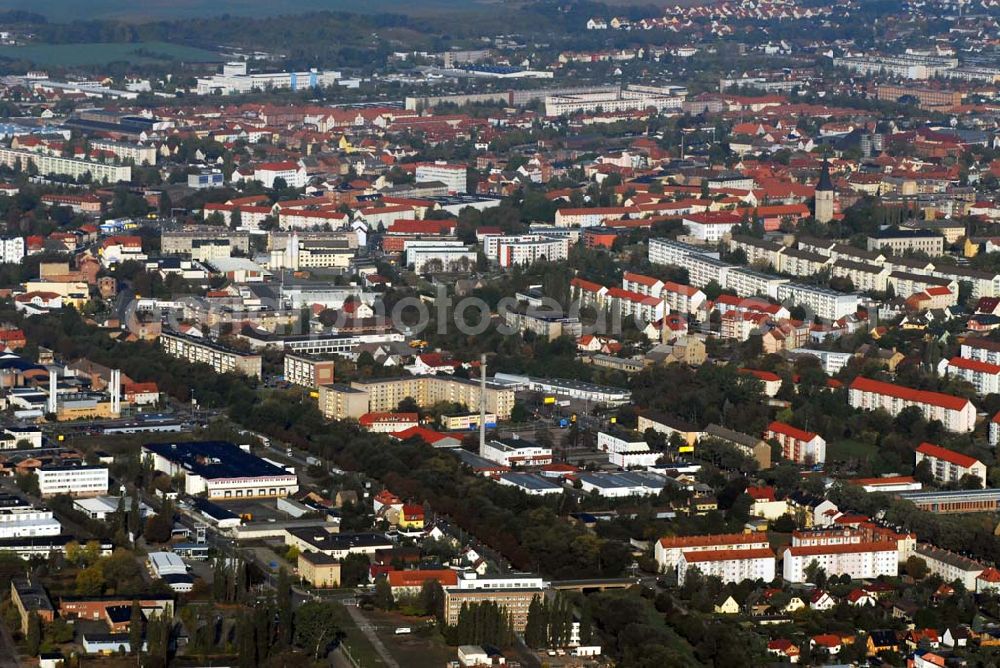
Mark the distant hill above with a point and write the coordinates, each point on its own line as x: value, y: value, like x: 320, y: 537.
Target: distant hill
x: 73, y: 10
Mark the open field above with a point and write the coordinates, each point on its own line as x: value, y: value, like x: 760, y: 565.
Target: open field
x: 69, y: 55
x: 70, y: 10
x: 839, y: 451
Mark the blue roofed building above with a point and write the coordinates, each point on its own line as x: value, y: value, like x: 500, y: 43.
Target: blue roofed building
x: 221, y: 470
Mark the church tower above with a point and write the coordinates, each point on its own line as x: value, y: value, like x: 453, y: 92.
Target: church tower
x: 824, y: 195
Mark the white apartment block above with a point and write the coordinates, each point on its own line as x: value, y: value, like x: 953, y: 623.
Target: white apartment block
x: 758, y: 251
x: 955, y: 413
x: 832, y: 362
x: 902, y: 66
x: 51, y: 164
x: 684, y: 299
x: 981, y: 350
x: 906, y: 283
x: 801, y: 263
x: 749, y: 283
x: 138, y: 153
x: 823, y: 302
x: 948, y: 466
x: 643, y: 285
x: 670, y: 252
x: 308, y: 370
x: 636, y: 305
x: 236, y: 79
x: 72, y: 480
x: 292, y: 173
x: 525, y: 249
x: 983, y: 375
x: 668, y: 550
x: 711, y: 226
x: 864, y: 277
x: 591, y: 216
x: 903, y: 240
x: 950, y: 566
x: 303, y: 219
x: 729, y: 565
x: 858, y: 560
x: 12, y: 250
x: 220, y: 358
x: 454, y: 177
x: 632, y: 98
x: 441, y: 256
x: 703, y: 269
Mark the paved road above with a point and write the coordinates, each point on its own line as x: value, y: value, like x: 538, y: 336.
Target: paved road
x: 8, y: 655
x: 365, y: 626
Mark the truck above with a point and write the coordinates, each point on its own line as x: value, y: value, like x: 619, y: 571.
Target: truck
x: 313, y: 461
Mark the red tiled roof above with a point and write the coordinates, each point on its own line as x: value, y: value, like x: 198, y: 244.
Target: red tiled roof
x: 788, y: 430
x: 446, y: 577
x: 669, y: 542
x: 974, y: 365
x: 944, y: 454
x: 648, y: 281
x: 947, y: 401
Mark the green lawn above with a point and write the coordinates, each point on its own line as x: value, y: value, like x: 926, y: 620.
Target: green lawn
x: 71, y: 55
x: 355, y: 641
x: 849, y: 449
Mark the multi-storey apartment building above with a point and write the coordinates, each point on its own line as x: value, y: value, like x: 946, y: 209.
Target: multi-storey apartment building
x: 858, y: 560
x: 308, y: 370
x: 729, y: 565
x: 955, y: 413
x: 668, y: 551
x: 798, y: 445
x: 823, y: 302
x: 72, y: 480
x: 220, y: 358
x: 948, y: 466
x: 983, y: 375
x: 75, y: 167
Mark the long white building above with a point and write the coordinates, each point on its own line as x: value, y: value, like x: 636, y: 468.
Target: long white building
x: 220, y: 470
x: 858, y: 560
x: 53, y: 164
x: 668, y: 550
x: 825, y: 303
x: 525, y: 249
x: 955, y: 413
x: 983, y: 375
x: 454, y: 177
x: 729, y: 565
x: 72, y: 480
x: 631, y: 98
x: 235, y: 79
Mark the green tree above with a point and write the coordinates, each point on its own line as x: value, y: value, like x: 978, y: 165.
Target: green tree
x: 383, y: 594
x: 135, y: 628
x: 536, y: 629
x: 315, y: 627
x: 284, y: 603
x: 33, y: 638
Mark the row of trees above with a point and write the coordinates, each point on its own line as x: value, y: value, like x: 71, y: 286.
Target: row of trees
x: 550, y: 623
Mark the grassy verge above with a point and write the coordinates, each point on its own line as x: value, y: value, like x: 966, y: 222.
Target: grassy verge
x: 357, y: 644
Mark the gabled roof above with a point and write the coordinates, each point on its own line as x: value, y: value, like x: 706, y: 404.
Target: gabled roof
x: 944, y: 454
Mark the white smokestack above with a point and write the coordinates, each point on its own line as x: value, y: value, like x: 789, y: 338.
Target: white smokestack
x: 482, y: 405
x: 52, y: 391
x: 115, y: 389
